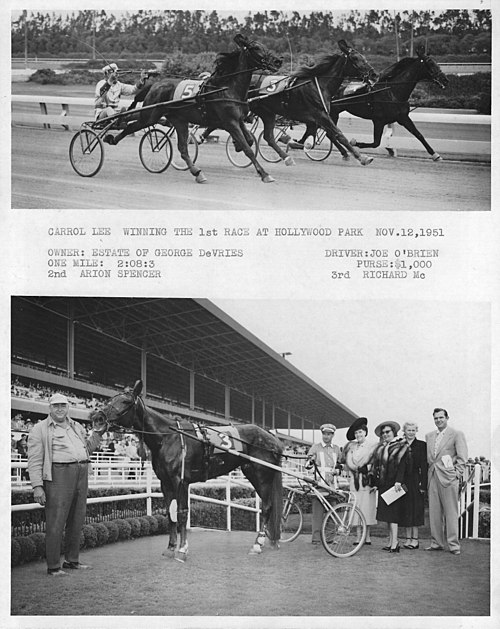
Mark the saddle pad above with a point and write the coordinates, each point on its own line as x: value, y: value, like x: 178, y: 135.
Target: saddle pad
x: 225, y: 438
x: 273, y: 84
x: 187, y: 88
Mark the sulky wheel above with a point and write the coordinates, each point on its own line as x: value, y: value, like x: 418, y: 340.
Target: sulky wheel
x: 86, y: 153
x: 339, y: 532
x: 155, y: 150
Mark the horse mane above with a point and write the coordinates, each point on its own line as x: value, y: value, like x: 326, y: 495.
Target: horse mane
x: 392, y: 71
x: 226, y: 62
x: 320, y: 67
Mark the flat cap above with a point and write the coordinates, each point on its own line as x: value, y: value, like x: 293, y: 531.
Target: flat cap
x: 58, y: 398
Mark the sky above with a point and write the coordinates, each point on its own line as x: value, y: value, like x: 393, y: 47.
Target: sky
x: 387, y: 360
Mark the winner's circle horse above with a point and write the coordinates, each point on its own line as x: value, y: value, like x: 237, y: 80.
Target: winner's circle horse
x: 181, y: 456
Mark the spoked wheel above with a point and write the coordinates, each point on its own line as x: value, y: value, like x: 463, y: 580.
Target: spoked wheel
x: 291, y: 520
x: 155, y: 150
x: 177, y: 162
x: 340, y: 529
x: 319, y: 147
x: 86, y: 153
x: 267, y: 153
x: 238, y: 158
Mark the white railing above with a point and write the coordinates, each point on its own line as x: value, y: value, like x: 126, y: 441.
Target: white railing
x: 115, y: 473
x: 68, y: 120
x: 469, y: 500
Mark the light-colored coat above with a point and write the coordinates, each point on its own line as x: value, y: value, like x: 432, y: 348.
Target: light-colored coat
x: 452, y: 444
x: 40, y: 448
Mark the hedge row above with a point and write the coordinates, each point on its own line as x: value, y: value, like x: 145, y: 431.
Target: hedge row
x: 32, y: 547
x: 463, y: 92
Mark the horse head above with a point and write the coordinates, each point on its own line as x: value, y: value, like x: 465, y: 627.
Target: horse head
x: 259, y: 56
x: 120, y: 411
x: 432, y: 69
x: 357, y: 63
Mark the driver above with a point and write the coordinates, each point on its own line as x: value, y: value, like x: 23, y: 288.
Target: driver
x: 109, y: 90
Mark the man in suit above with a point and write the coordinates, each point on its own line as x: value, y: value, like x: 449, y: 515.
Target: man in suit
x: 446, y: 455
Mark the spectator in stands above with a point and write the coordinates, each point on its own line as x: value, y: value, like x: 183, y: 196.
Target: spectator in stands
x: 111, y: 446
x: 131, y: 455
x: 13, y: 444
x: 22, y: 446
x: 323, y: 457
x: 58, y: 458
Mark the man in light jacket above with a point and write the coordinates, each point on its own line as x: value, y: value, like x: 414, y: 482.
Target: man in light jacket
x: 446, y: 455
x: 58, y: 458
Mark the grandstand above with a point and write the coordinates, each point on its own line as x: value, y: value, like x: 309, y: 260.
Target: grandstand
x: 194, y: 360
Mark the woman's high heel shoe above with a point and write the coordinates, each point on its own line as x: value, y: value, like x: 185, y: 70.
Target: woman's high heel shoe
x: 415, y: 546
x: 394, y: 550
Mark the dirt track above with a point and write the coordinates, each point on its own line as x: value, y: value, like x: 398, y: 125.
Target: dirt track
x: 42, y: 177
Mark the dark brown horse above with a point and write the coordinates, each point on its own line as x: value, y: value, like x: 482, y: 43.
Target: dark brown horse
x: 221, y: 102
x: 308, y: 94
x: 386, y: 101
x: 181, y: 456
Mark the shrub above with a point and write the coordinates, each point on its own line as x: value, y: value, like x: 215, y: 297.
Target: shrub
x: 113, y: 531
x: 145, y: 526
x: 163, y: 525
x: 208, y: 515
x: 15, y: 552
x: 484, y: 523
x: 45, y: 76
x: 27, y: 548
x: 90, y: 536
x: 153, y: 524
x: 39, y: 540
x: 102, y: 533
x: 135, y: 527
x: 124, y: 529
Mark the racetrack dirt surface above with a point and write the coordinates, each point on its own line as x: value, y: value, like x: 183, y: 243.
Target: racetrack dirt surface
x: 42, y: 178
x: 220, y: 578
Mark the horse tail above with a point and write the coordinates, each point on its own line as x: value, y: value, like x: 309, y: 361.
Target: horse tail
x: 274, y: 523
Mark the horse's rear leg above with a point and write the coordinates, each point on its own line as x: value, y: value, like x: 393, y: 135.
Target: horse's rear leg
x: 182, y: 130
x: 336, y: 135
x: 270, y: 139
x: 341, y: 149
x: 130, y: 128
x: 378, y: 128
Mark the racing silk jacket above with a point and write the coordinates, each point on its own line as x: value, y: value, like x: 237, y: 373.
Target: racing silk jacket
x: 40, y: 448
x: 111, y: 97
x: 326, y: 458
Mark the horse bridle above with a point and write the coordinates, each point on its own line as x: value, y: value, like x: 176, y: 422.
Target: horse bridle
x: 434, y: 73
x: 365, y: 76
x: 112, y: 425
x: 264, y: 62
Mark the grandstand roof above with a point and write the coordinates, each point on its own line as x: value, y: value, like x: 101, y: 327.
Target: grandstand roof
x: 197, y: 335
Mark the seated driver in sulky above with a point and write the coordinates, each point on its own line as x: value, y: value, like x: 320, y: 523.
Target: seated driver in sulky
x: 109, y: 90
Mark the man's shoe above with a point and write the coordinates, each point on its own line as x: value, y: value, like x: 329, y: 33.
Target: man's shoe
x: 74, y: 565
x: 455, y: 552
x: 56, y: 572
x: 433, y: 548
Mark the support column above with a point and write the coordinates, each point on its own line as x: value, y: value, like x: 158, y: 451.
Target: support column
x: 70, y: 343
x: 253, y: 408
x: 263, y: 413
x: 227, y: 402
x: 289, y: 422
x: 144, y: 372
x: 191, y: 389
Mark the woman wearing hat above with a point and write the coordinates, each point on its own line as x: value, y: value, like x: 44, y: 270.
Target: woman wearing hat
x: 416, y: 483
x: 357, y: 455
x: 388, y: 470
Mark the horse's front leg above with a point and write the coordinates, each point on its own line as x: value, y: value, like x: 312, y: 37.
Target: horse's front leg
x: 171, y: 506
x: 182, y: 518
x: 336, y: 135
x: 409, y: 125
x: 334, y: 115
x: 271, y: 140
x: 239, y: 139
x: 182, y: 129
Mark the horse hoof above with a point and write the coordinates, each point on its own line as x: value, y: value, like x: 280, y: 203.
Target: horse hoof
x: 392, y: 152
x: 289, y: 161
x: 346, y: 157
x: 366, y: 160
x: 255, y: 550
x: 436, y: 157
x: 268, y: 179
x: 200, y: 177
x: 353, y: 142
x: 180, y: 556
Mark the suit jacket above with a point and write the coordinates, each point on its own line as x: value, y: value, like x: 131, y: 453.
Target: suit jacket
x: 452, y: 444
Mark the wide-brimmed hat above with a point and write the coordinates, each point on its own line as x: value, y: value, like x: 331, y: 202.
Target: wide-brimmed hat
x: 361, y: 422
x: 58, y: 398
x: 394, y: 425
x: 328, y: 428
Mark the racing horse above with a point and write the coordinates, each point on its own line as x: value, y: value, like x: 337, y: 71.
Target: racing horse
x: 306, y: 97
x: 386, y: 101
x: 220, y: 103
x: 181, y: 456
